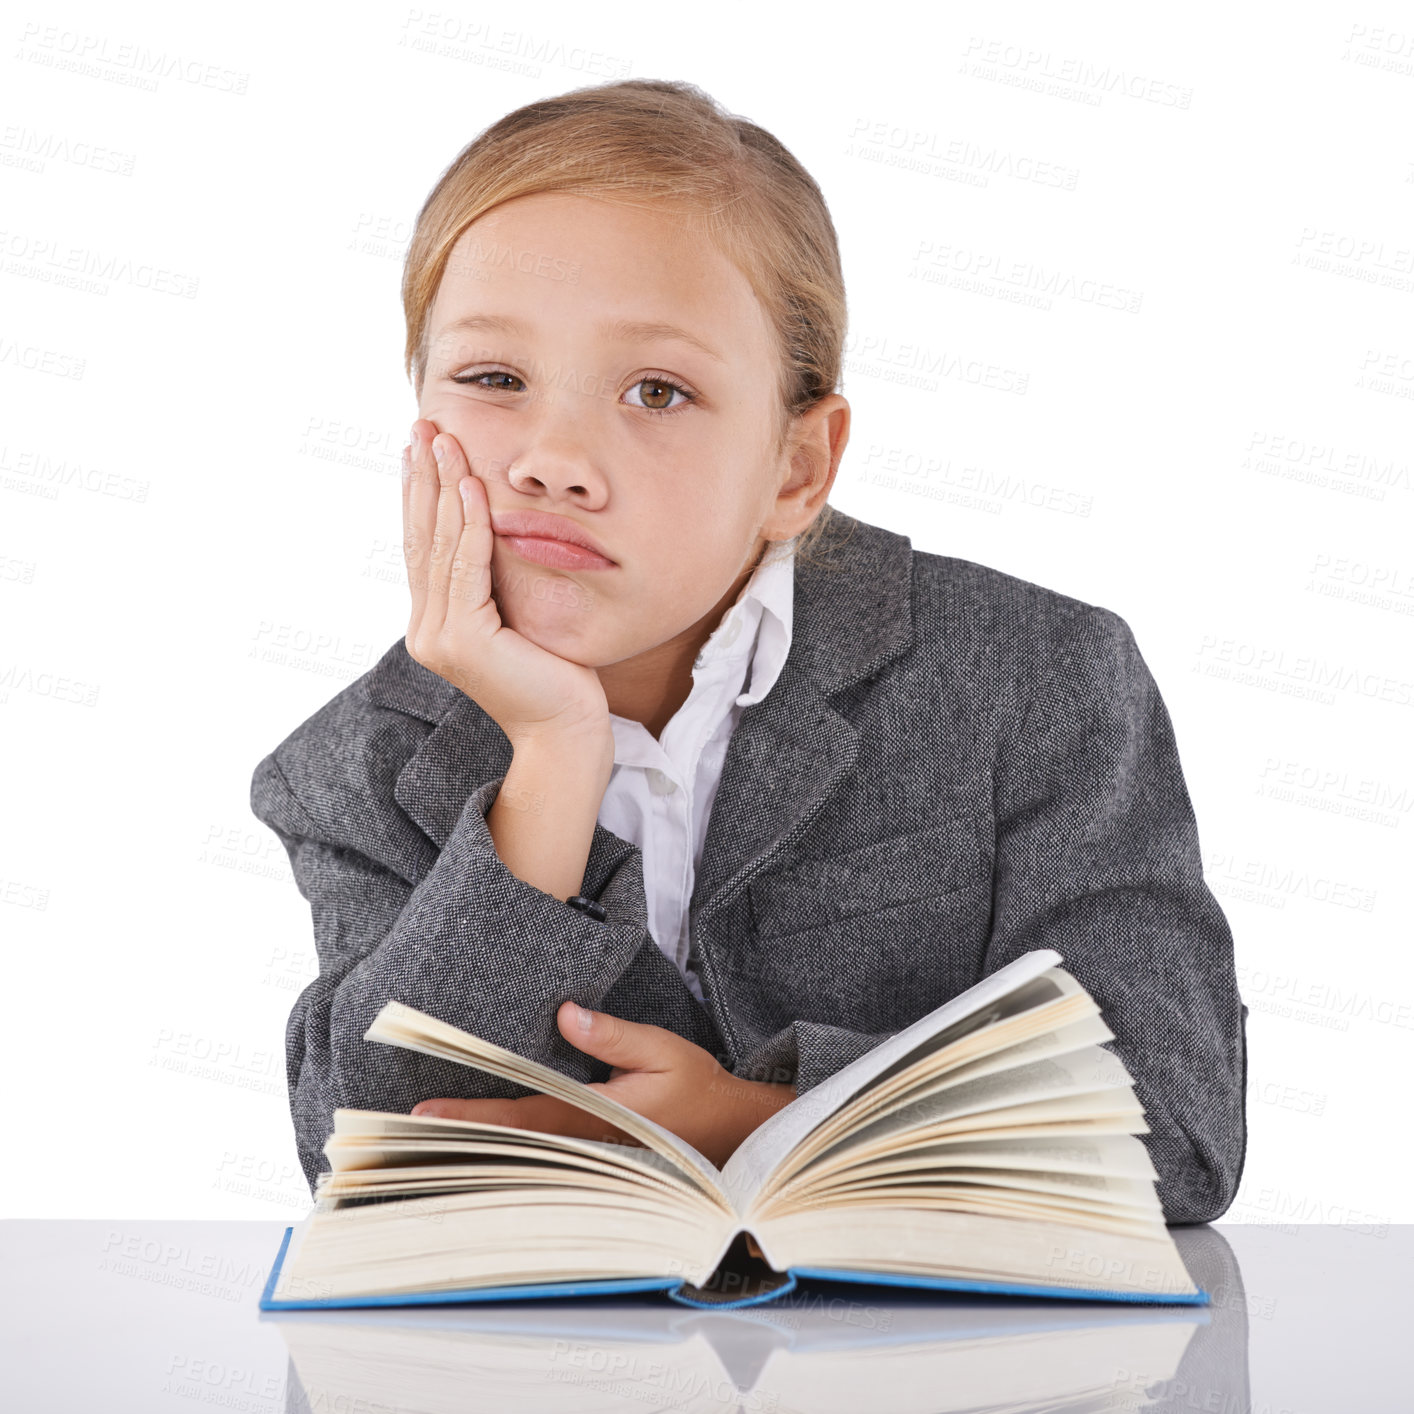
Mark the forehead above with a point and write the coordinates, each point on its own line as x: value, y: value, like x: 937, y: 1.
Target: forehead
x: 562, y: 262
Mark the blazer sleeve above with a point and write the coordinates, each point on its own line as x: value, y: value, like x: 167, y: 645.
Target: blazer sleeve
x: 1097, y: 856
x: 470, y: 943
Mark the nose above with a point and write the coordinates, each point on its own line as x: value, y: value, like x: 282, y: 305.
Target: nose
x: 557, y: 467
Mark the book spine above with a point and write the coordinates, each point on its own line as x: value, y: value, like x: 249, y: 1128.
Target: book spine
x: 731, y: 1296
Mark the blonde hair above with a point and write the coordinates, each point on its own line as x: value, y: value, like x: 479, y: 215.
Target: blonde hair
x: 669, y: 144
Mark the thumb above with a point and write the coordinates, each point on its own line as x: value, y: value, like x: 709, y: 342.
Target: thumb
x: 627, y: 1045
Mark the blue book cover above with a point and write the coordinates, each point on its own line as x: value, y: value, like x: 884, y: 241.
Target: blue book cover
x: 756, y: 1290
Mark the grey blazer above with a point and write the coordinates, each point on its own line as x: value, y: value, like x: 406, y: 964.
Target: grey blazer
x: 955, y: 766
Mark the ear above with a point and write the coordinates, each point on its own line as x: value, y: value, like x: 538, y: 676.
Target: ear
x: 810, y: 462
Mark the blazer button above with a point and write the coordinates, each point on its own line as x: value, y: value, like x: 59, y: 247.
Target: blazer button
x: 592, y: 907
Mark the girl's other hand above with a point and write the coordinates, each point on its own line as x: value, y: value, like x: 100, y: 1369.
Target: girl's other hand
x: 456, y: 628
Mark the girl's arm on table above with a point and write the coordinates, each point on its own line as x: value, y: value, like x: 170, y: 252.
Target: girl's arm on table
x: 469, y: 942
x: 1098, y: 857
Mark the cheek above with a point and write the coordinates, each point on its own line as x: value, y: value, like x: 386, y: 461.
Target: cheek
x: 704, y: 516
x: 476, y: 434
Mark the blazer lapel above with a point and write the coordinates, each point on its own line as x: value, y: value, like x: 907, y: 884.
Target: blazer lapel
x: 851, y: 616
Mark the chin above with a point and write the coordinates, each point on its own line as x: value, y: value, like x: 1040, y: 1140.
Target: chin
x: 553, y: 613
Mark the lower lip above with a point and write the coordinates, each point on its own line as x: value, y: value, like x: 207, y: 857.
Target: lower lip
x: 558, y: 554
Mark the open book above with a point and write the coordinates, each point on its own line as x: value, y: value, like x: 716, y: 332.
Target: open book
x: 989, y: 1146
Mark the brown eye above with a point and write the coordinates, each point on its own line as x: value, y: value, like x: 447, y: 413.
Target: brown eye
x: 476, y: 380
x: 655, y: 395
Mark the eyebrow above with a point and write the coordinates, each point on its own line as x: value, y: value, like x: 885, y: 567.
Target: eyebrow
x: 641, y: 330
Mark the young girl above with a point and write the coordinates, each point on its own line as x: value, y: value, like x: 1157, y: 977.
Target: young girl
x: 680, y: 780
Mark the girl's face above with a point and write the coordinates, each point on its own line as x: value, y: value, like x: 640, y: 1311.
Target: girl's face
x: 656, y: 443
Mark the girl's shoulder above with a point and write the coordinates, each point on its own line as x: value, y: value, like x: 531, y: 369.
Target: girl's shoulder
x: 973, y: 607
x: 987, y: 602
x: 334, y: 776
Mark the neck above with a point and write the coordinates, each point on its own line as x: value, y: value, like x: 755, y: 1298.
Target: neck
x: 651, y: 686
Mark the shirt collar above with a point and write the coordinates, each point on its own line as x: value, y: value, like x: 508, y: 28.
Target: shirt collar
x: 763, y: 609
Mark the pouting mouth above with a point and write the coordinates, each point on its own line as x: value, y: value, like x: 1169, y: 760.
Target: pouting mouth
x: 541, y: 526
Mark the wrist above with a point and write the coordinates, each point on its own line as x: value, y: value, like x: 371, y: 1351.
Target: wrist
x: 575, y: 747
x: 543, y: 819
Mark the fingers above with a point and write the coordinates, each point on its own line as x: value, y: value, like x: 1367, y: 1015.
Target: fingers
x: 552, y: 1116
x: 447, y: 533
x: 421, y: 491
x: 468, y: 528
x: 626, y: 1045
x: 483, y: 1111
x: 541, y: 1113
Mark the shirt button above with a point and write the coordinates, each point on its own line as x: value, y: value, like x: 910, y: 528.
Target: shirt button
x: 660, y: 783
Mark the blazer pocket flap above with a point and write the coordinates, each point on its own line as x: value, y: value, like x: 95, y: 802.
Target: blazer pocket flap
x: 938, y: 859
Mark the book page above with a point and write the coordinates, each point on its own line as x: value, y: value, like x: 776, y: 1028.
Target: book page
x: 975, y: 1032
x: 452, y: 1242
x: 997, y: 1046
x: 407, y: 1181
x: 377, y: 1126
x: 367, y: 1162
x: 1077, y: 1035
x: 400, y: 1025
x: 1112, y: 1155
x: 748, y: 1169
x: 1087, y: 1083
x: 1074, y: 1073
x: 979, y: 1248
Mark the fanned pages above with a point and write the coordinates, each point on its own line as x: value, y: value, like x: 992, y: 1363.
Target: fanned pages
x: 990, y: 1145
x: 399, y: 1025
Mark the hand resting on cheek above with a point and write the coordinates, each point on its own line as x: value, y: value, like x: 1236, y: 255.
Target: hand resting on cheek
x: 456, y: 629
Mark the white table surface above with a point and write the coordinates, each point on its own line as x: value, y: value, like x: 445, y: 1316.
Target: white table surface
x: 132, y: 1314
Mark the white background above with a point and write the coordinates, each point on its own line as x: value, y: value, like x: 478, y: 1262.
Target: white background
x: 1132, y: 316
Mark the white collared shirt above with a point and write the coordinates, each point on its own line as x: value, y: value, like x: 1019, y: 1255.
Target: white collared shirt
x: 660, y: 792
